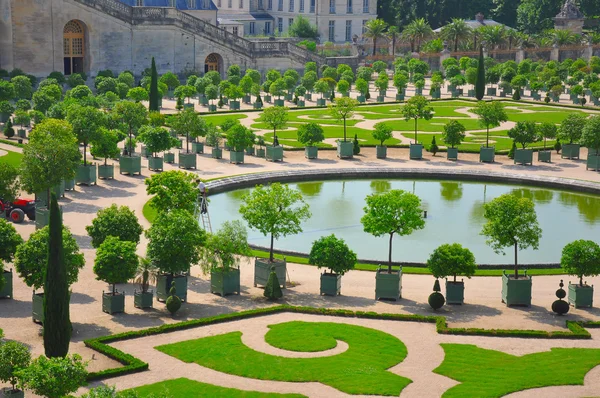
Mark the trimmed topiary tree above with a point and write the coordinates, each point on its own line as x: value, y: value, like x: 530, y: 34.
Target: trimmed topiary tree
x: 416, y: 108
x: 581, y: 258
x: 154, y: 93
x: 332, y: 253
x: 54, y: 377
x: 452, y: 260
x: 14, y: 357
x: 116, y: 261
x: 273, y: 289
x: 173, y: 301
x: 117, y: 221
x: 436, y: 299
x: 172, y: 190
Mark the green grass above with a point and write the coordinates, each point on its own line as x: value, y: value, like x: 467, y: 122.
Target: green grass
x: 149, y: 212
x: 289, y: 137
x: 217, y: 120
x: 488, y: 373
x: 12, y: 158
x: 187, y: 388
x: 362, y: 369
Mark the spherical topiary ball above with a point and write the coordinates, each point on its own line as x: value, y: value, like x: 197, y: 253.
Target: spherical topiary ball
x: 561, y: 294
x: 561, y: 307
x: 436, y: 300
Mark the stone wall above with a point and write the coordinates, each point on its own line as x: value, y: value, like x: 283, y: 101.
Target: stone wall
x: 6, y: 36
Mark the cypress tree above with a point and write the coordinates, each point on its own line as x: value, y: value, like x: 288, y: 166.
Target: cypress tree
x: 480, y: 83
x: 154, y: 95
x: 57, y: 323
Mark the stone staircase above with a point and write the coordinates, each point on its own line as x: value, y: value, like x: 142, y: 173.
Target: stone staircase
x: 199, y: 27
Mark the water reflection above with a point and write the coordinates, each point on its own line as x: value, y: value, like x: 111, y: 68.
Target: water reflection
x: 588, y: 206
x: 380, y: 186
x: 451, y: 191
x: 537, y: 195
x: 310, y: 188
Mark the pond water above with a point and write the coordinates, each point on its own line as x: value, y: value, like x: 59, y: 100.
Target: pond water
x: 454, y: 214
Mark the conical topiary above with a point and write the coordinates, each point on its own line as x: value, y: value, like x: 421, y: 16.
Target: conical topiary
x: 557, y: 145
x: 560, y: 306
x: 356, y: 147
x: 272, y: 289
x: 517, y: 94
x: 436, y: 299
x: 9, y: 131
x: 173, y: 301
x: 433, y: 148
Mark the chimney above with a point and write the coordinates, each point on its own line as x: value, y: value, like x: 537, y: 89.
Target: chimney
x: 479, y: 17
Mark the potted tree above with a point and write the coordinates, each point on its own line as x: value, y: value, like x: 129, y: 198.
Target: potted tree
x: 581, y: 258
x: 394, y: 212
x: 452, y: 260
x: 277, y: 210
x: 570, y: 131
x: 105, y: 146
x: 200, y: 85
x: 381, y: 133
x: 186, y: 92
x: 300, y: 91
x: 234, y: 93
x: 245, y: 85
x: 213, y: 139
x: 145, y: 275
x: 308, y: 80
x: 156, y: 139
x: 120, y: 222
x: 266, y: 87
x: 512, y: 221
x: 220, y: 257
x: 416, y: 108
x: 190, y: 124
x: 400, y: 82
x: 524, y: 133
x: 382, y: 83
x: 116, y: 262
x: 454, y: 133
x: 277, y: 88
x: 6, y: 109
x: 547, y: 130
x: 332, y: 253
x: 310, y: 134
x: 11, y: 240
x: 14, y: 357
x: 260, y: 151
x: 343, y: 109
x: 362, y: 86
x: 133, y: 115
x: 23, y: 119
x: 31, y: 259
x: 212, y: 93
x: 87, y: 123
x: 54, y: 377
x: 322, y: 88
x: 258, y: 103
x: 491, y: 114
x: 239, y: 138
x: 275, y: 117
x: 251, y: 141
x: 174, y: 245
x: 591, y: 139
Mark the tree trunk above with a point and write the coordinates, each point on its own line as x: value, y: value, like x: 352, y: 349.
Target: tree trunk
x: 516, y: 265
x: 114, y: 289
x: 84, y: 152
x: 456, y: 44
x: 390, y: 254
x: 487, y: 137
x: 454, y: 278
x: 416, y: 140
x: 394, y: 46
x: 271, y: 250
x: 187, y: 142
x: 274, y: 136
x: 344, y: 129
x: 374, y: 45
x: 48, y: 199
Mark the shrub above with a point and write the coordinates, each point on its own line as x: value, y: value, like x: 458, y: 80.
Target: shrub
x: 310, y: 133
x: 452, y: 260
x: 436, y: 300
x: 116, y: 261
x: 54, y: 377
x: 9, y: 131
x: 433, y: 148
x: 273, y: 289
x: 120, y: 222
x: 332, y: 253
x: 14, y: 356
x: 58, y: 76
x: 173, y: 301
x: 581, y: 258
x: 356, y: 145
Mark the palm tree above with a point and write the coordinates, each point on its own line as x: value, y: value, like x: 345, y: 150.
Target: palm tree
x: 493, y: 36
x: 392, y: 33
x: 375, y: 29
x: 561, y: 37
x: 456, y: 31
x: 417, y: 31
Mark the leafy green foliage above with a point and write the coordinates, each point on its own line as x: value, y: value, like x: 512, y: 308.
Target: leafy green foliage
x: 472, y: 367
x: 491, y: 114
x: 276, y: 117
x: 239, y: 138
x: 105, y: 145
x: 433, y: 148
x: 310, y: 134
x: 175, y: 240
x: 416, y: 108
x: 343, y: 109
x: 452, y: 260
x: 172, y: 190
x: 590, y: 136
x: 454, y: 133
x: 302, y: 28
x: 571, y: 127
x: 222, y: 249
x: 14, y: 356
x: 157, y: 139
x: 332, y: 253
x: 272, y: 288
x: 277, y: 210
x: 382, y: 132
x: 131, y: 114
x: 524, y: 133
x: 54, y: 377
x: 120, y: 222
x: 173, y: 301
x: 10, y: 239
x: 116, y: 261
x: 581, y: 258
x: 190, y: 124
x: 480, y: 80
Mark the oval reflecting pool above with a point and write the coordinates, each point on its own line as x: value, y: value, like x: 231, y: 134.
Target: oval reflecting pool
x: 454, y: 214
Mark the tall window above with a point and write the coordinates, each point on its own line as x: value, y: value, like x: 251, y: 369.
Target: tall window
x: 241, y: 3
x: 280, y: 24
x: 252, y: 27
x: 261, y: 5
x: 349, y: 6
x: 364, y: 26
x: 301, y: 5
x: 280, y: 5
x: 312, y: 6
x: 267, y: 28
x: 139, y: 3
x: 331, y: 30
x: 332, y: 6
x: 291, y: 5
x: 269, y: 5
x: 366, y: 6
x: 348, y: 30
x: 171, y: 3
x: 219, y: 3
x: 229, y: 3
x: 234, y: 30
x: 191, y: 4
x: 290, y: 22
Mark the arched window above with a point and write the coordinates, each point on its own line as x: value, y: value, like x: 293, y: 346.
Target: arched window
x: 73, y: 47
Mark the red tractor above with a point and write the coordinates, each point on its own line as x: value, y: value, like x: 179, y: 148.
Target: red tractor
x: 17, y: 210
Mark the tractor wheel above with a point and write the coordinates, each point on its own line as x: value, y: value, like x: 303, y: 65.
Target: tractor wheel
x: 17, y: 216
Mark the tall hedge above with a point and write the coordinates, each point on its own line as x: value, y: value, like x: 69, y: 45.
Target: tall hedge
x: 154, y: 94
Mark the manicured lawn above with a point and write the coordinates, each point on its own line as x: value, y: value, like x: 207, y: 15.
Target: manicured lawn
x: 289, y: 137
x: 488, y: 373
x: 217, y: 120
x: 362, y: 369
x: 149, y: 212
x: 193, y: 389
x: 12, y: 158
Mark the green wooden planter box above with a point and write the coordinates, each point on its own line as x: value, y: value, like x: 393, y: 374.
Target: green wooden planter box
x: 226, y: 146
x: 8, y: 392
x: 399, y: 97
x: 144, y: 152
x: 234, y: 105
x: 576, y: 101
x: 236, y: 157
x: 225, y: 100
x: 216, y: 153
x: 212, y: 108
x: 155, y: 163
x: 452, y: 154
x: 545, y: 156
x: 267, y: 98
x: 143, y: 300
x: 418, y: 91
x: 279, y: 102
x: 257, y: 105
x: 188, y: 106
x: 198, y: 147
x: 308, y: 96
x: 346, y: 94
x: 37, y: 307
x: 260, y: 152
x: 321, y: 101
x: 380, y: 98
x: 581, y: 296
x: 173, y: 133
x: 41, y: 217
x: 523, y: 156
x: 331, y: 284
x: 86, y: 174
x: 289, y: 96
x: 345, y: 149
x: 516, y: 291
x: 70, y: 185
x: 21, y: 133
x: 59, y: 191
x: 311, y: 152
x: 224, y: 283
x: 487, y: 154
x: 301, y: 104
x: 4, y: 117
x: 570, y: 151
x: 274, y: 153
x: 416, y: 151
x: 502, y: 94
x: 471, y: 93
x: 7, y: 289
x: 388, y: 286
x: 203, y: 100
x: 162, y: 288
x: 250, y: 151
x: 381, y: 151
x: 247, y: 99
x: 130, y: 165
x: 106, y: 171
x: 169, y: 157
x: 455, y: 292
x: 113, y: 304
x: 262, y: 270
x: 593, y: 162
x: 187, y: 160
x: 435, y: 94
x: 362, y: 99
